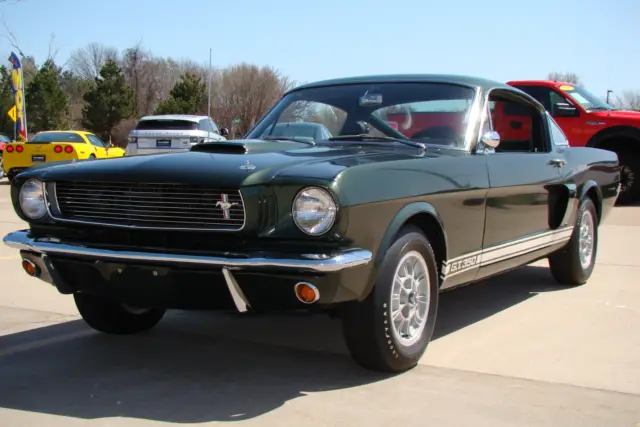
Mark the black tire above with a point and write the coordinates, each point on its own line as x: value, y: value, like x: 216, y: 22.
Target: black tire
x: 629, y: 178
x: 366, y: 325
x: 111, y: 317
x: 91, y: 157
x: 565, y: 264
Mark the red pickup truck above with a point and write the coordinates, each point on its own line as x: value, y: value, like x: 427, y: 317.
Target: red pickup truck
x: 588, y: 121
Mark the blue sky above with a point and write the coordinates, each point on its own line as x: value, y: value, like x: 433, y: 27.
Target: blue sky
x: 499, y: 39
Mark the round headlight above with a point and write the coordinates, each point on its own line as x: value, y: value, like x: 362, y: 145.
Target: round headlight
x: 314, y: 211
x: 32, y: 200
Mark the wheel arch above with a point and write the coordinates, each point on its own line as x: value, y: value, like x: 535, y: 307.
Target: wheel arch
x: 592, y: 190
x: 606, y: 138
x: 424, y: 216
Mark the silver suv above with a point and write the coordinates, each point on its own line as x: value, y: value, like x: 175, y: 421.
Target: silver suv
x: 170, y: 133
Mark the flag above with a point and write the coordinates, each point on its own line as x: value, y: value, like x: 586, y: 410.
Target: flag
x: 17, y: 86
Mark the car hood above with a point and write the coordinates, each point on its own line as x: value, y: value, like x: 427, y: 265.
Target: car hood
x: 619, y: 114
x: 232, y: 163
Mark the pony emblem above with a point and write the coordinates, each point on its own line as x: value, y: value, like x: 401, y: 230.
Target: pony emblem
x: 225, y: 205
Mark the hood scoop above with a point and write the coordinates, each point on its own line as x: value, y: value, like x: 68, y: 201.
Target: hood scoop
x: 221, y: 147
x: 247, y: 146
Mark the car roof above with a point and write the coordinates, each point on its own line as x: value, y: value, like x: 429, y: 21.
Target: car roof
x: 79, y: 132
x: 541, y: 83
x: 187, y: 117
x: 409, y: 78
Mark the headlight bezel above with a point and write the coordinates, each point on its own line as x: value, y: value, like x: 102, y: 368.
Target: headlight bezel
x: 334, y: 206
x: 21, y: 199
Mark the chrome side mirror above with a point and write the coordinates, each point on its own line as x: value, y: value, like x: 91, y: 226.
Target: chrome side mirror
x: 491, y: 139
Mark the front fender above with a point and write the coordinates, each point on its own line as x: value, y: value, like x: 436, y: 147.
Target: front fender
x: 399, y: 220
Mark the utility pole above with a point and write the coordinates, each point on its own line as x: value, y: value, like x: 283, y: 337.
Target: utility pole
x: 209, y: 87
x: 609, y: 92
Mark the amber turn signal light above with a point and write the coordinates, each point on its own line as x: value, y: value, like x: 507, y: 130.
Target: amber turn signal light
x: 306, y: 292
x: 31, y: 269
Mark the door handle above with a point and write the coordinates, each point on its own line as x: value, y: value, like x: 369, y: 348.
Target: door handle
x: 557, y: 162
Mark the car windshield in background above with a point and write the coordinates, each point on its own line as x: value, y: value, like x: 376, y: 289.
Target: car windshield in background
x: 585, y: 98
x: 47, y: 137
x: 429, y: 113
x: 166, y: 125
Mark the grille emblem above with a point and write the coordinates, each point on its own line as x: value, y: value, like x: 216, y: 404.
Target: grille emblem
x: 225, y: 205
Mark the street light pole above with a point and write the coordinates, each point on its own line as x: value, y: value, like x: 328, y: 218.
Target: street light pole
x: 209, y: 87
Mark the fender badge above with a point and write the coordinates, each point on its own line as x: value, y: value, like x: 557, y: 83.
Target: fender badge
x: 248, y: 166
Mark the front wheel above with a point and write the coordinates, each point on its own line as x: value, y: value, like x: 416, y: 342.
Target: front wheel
x: 574, y: 264
x: 389, y: 331
x: 112, y: 317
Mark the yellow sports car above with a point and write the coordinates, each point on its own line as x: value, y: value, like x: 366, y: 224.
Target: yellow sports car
x: 53, y: 146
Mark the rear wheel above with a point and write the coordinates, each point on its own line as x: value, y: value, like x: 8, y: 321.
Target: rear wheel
x: 574, y: 264
x: 629, y: 178
x: 389, y: 331
x: 112, y: 317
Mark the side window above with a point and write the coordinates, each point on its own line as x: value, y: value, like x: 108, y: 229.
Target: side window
x: 214, y: 126
x: 204, y: 125
x: 519, y: 123
x: 94, y: 140
x: 557, y: 135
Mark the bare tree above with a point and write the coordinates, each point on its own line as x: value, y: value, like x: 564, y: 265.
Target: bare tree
x: 246, y: 92
x: 630, y: 100
x: 572, y: 78
x: 87, y: 62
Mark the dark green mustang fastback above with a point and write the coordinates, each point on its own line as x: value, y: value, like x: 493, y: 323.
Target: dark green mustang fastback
x: 422, y: 183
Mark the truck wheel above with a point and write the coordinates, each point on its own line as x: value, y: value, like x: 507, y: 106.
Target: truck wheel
x: 111, y: 317
x: 573, y: 264
x: 389, y: 331
x: 629, y: 178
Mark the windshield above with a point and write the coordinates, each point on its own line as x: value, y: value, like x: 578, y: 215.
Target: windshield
x: 430, y: 113
x: 585, y: 98
x: 159, y: 124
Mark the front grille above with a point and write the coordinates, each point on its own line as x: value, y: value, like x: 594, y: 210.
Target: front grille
x: 149, y: 205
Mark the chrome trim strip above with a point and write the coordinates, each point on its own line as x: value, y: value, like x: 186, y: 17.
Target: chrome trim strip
x: 306, y: 262
x: 239, y: 298
x: 138, y: 227
x: 506, y: 250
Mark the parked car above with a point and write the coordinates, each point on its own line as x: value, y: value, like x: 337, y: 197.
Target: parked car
x: 301, y: 130
x: 53, y: 146
x: 371, y: 227
x: 588, y: 121
x: 4, y: 140
x: 172, y: 133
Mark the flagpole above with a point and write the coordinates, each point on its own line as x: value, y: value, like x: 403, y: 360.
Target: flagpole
x: 209, y: 87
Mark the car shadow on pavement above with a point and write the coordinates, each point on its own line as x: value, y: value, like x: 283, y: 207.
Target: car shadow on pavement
x: 203, y: 367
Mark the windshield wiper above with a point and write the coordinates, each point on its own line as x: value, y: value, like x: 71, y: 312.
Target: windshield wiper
x: 288, y: 138
x: 599, y: 107
x: 365, y: 137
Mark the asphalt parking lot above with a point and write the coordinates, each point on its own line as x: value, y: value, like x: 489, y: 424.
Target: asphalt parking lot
x: 516, y: 350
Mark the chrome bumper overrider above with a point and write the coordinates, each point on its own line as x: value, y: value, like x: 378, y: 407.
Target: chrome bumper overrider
x: 321, y: 263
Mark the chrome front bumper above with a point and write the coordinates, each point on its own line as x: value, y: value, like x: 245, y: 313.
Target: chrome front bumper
x: 314, y: 262
x: 320, y: 263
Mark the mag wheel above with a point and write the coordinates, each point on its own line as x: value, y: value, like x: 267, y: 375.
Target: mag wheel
x: 573, y: 264
x: 390, y: 330
x: 112, y: 317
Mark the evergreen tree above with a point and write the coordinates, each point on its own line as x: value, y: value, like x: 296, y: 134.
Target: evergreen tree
x: 108, y: 102
x: 187, y: 96
x: 46, y: 102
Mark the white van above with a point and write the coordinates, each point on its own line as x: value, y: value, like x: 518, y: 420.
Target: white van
x: 171, y: 133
